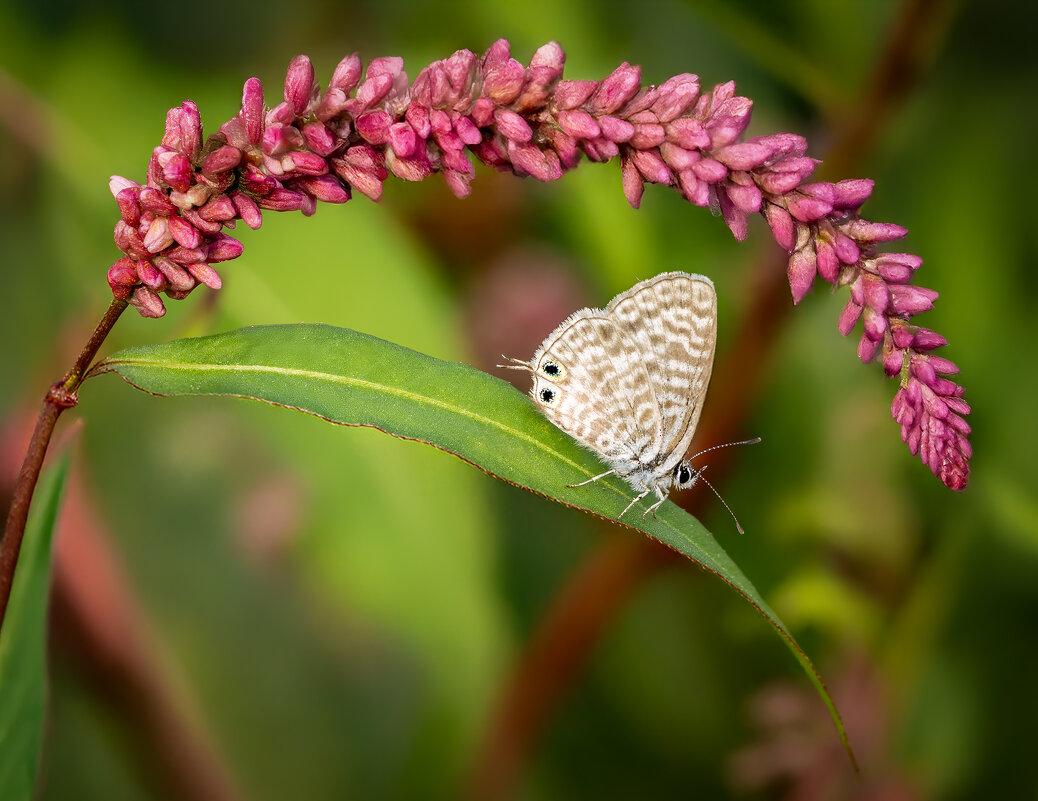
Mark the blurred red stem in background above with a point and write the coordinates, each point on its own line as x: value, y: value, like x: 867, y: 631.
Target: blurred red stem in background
x: 602, y: 584
x: 61, y: 396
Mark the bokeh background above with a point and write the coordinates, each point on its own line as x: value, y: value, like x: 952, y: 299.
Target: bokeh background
x: 250, y: 603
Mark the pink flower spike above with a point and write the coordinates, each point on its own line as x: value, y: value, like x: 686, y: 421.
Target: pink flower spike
x: 205, y: 274
x: 146, y: 302
x: 801, y: 271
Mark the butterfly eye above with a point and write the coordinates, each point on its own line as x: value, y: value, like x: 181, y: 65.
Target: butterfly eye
x: 683, y: 473
x: 548, y: 396
x: 552, y: 369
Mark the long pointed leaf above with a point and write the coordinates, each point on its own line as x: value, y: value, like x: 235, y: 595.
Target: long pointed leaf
x: 22, y: 648
x: 351, y: 378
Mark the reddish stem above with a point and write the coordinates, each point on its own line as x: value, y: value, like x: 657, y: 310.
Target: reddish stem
x: 61, y: 396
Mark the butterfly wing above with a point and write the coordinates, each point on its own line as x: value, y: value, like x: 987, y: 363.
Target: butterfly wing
x: 673, y: 319
x: 592, y: 385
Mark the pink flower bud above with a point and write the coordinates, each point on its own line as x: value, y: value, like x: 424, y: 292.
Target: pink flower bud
x: 849, y: 317
x: 677, y: 158
x: 252, y: 110
x: 158, y: 237
x: 204, y: 274
x: 688, y: 133
x: 869, y: 232
x: 926, y: 340
x: 248, y: 210
x: 176, y: 276
x: 676, y: 96
x: 744, y: 195
x: 828, y: 264
x: 579, y: 124
x: 156, y: 202
x: 281, y: 199
x: 146, y: 302
x: 867, y: 348
x: 503, y: 83
x: 874, y: 323
x: 304, y: 162
x: 149, y: 275
x: 811, y: 202
x: 184, y: 233
x: 942, y: 365
x: 876, y: 294
x: 893, y: 360
x: 496, y: 55
x: 633, y: 185
x: 299, y: 84
x: 512, y: 126
x: 615, y: 129
x: 223, y: 248
x: 457, y: 183
x: 219, y: 209
x: 911, y: 300
x: 710, y: 170
x: 781, y: 224
x: 319, y: 139
x: 612, y: 93
x: 221, y: 160
x: 694, y: 190
x: 530, y: 159
x: 129, y: 205
x: 735, y: 218
x: 117, y: 184
x: 570, y: 94
x: 852, y: 193
x: 743, y: 155
x: 801, y: 271
x: 846, y: 249
x: 651, y: 166
x: 467, y: 131
x: 647, y: 135
x: 347, y: 74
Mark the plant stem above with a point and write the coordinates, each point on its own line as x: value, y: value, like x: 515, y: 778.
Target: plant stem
x: 61, y: 396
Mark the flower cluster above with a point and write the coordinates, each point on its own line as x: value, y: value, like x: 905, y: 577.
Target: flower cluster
x: 368, y: 125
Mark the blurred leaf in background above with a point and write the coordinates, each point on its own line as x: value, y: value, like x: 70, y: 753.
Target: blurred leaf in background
x: 343, y: 609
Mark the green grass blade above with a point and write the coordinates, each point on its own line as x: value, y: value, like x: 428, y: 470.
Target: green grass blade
x: 351, y: 378
x: 22, y: 647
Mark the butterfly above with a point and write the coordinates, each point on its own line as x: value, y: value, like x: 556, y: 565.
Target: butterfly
x: 629, y: 381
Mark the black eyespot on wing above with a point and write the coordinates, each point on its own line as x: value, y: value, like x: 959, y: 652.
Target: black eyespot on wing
x: 551, y: 368
x: 547, y: 395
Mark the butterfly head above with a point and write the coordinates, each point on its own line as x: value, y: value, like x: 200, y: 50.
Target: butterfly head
x: 685, y: 475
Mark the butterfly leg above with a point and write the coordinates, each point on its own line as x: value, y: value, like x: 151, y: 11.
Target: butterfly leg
x: 632, y: 503
x: 582, y: 483
x: 662, y: 497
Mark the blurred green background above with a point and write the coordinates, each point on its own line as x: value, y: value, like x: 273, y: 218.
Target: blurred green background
x: 339, y: 611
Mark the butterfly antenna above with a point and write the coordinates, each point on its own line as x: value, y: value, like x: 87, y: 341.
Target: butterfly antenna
x: 516, y: 364
x: 753, y: 441
x: 713, y: 489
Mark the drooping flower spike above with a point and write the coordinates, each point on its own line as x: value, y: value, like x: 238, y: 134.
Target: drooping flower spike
x: 323, y: 145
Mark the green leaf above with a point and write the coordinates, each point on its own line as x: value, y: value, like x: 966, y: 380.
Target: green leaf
x: 22, y: 646
x: 351, y: 378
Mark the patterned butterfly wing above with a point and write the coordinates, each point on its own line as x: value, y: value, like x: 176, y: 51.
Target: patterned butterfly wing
x: 589, y: 382
x: 673, y: 319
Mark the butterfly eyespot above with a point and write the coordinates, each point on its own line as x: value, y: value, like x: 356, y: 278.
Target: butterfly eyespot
x: 552, y: 369
x: 547, y: 396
